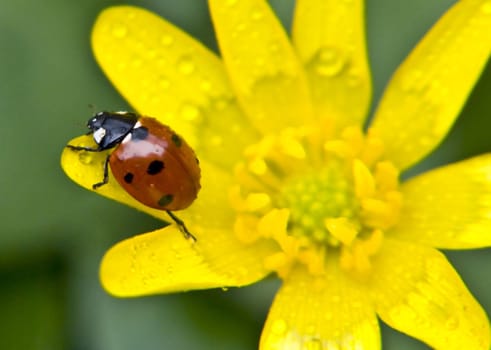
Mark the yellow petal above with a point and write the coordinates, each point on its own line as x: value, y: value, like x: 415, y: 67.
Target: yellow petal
x: 163, y: 261
x: 449, y: 207
x: 417, y: 292
x: 429, y: 89
x: 331, y: 312
x: 210, y: 209
x: 168, y: 75
x: 264, y: 70
x: 329, y: 37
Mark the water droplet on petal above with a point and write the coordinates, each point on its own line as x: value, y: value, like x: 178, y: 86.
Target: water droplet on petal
x: 257, y: 15
x: 354, y: 79
x: 335, y: 299
x: 130, y: 15
x: 220, y: 103
x: 85, y: 158
x: 452, y: 323
x: 190, y: 112
x: 186, y: 65
x: 150, y: 53
x: 310, y: 329
x: 216, y: 140
x: 414, y: 82
x: 486, y: 7
x: 242, y: 271
x: 119, y: 31
x: 205, y: 85
x: 240, y: 28
x: 137, y: 62
x: 329, y: 62
x: 164, y: 83
x: 312, y: 344
x: 279, y: 327
x: 167, y: 40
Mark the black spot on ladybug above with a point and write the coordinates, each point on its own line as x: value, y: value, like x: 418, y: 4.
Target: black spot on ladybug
x: 128, y: 178
x: 140, y: 133
x: 176, y: 140
x: 165, y: 200
x: 155, y: 167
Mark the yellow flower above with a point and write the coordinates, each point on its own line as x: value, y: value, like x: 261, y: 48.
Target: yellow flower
x: 290, y: 182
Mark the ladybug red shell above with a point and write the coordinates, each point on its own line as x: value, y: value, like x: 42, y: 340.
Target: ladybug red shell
x: 156, y: 166
x: 150, y: 161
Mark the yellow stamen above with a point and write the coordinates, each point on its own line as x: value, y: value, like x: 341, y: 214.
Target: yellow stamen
x: 315, y: 198
x: 342, y: 229
x: 363, y: 179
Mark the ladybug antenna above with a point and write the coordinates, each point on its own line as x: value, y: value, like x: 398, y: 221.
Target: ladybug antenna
x: 92, y: 107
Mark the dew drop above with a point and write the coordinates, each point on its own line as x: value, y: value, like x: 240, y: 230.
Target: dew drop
x: 85, y: 158
x: 119, y: 31
x: 486, y: 7
x: 190, y: 112
x: 452, y: 323
x: 257, y: 15
x: 354, y: 79
x: 150, y: 53
x: 137, y: 62
x: 167, y: 40
x: 220, y: 103
x: 240, y: 28
x: 279, y: 327
x: 130, y: 15
x: 312, y: 344
x: 242, y: 271
x: 413, y: 82
x: 310, y: 329
x: 205, y: 85
x: 329, y: 62
x: 335, y: 299
x: 186, y: 65
x: 164, y: 83
x: 216, y: 140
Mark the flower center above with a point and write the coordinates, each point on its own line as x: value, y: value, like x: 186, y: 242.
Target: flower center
x: 317, y: 196
x: 314, y: 196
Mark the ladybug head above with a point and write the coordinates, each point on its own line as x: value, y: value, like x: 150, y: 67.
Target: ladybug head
x: 110, y: 128
x: 97, y: 121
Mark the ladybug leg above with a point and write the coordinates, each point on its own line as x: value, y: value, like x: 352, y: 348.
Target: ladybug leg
x: 82, y: 148
x: 182, y: 226
x: 106, y: 163
x: 105, y: 177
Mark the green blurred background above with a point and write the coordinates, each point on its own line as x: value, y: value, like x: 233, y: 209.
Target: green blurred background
x: 53, y: 233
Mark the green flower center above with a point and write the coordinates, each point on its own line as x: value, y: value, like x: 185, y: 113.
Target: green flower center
x: 314, y: 196
x: 317, y: 196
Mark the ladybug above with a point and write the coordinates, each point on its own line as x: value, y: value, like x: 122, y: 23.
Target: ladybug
x: 150, y: 161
